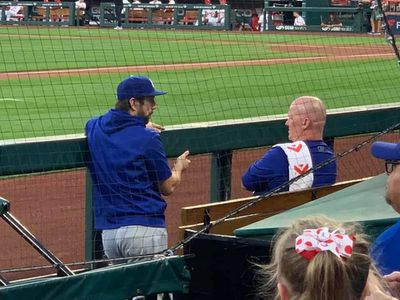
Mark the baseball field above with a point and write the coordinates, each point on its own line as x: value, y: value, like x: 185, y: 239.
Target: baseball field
x: 53, y: 79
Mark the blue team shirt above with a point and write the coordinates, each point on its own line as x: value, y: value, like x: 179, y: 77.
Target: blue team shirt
x: 127, y: 163
x: 272, y: 169
x: 385, y: 250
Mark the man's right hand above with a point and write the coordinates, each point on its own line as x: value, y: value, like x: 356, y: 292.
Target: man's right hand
x: 375, y: 291
x: 393, y: 280
x: 182, y: 162
x: 168, y: 186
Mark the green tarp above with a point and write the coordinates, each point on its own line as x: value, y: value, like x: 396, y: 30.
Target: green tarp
x: 363, y: 203
x: 116, y: 282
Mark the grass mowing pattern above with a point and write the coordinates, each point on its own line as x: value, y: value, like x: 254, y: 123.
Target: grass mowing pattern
x: 62, y: 104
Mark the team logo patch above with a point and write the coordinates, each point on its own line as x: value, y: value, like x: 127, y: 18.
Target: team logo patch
x: 295, y: 147
x: 301, y: 168
x: 391, y: 22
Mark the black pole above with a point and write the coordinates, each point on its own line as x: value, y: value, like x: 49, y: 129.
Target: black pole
x: 31, y: 239
x: 3, y: 281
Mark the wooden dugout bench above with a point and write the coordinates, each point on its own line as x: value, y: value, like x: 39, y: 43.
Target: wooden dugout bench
x: 158, y: 16
x: 56, y: 14
x: 162, y: 16
x: 137, y: 16
x: 191, y: 17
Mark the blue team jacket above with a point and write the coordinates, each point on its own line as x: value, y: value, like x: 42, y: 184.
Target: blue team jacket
x: 272, y: 169
x: 127, y: 162
x: 385, y: 250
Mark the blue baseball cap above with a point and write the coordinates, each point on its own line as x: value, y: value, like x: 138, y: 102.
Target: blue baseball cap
x: 137, y: 87
x: 386, y: 151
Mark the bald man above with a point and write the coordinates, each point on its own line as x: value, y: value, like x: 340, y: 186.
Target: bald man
x: 306, y: 122
x: 386, y: 248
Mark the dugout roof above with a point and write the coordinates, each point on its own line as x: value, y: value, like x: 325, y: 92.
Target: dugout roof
x: 363, y: 202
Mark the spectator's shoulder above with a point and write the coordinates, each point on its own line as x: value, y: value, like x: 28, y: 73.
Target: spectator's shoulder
x: 278, y: 149
x: 276, y: 155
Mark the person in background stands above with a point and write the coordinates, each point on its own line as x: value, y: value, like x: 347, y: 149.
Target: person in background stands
x: 221, y: 12
x: 119, y: 6
x: 254, y: 21
x: 169, y: 13
x: 298, y: 19
x: 213, y: 19
x: 283, y: 162
x: 207, y: 13
x: 263, y: 21
x: 80, y: 7
x: 332, y: 22
x: 376, y: 18
x: 80, y: 4
x: 13, y: 11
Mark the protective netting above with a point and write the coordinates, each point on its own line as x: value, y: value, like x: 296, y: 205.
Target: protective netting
x: 241, y: 63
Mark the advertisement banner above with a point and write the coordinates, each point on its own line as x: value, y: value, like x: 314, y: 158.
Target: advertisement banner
x: 394, y: 23
x: 314, y: 28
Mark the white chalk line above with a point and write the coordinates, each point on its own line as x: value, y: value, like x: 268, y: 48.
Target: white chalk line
x: 11, y: 100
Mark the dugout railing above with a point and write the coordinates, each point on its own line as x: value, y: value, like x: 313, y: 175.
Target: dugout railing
x: 184, y: 16
x: 351, y: 18
x: 30, y: 156
x: 41, y: 13
x: 189, y: 16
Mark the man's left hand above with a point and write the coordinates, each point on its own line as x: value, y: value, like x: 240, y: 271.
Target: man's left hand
x: 155, y: 126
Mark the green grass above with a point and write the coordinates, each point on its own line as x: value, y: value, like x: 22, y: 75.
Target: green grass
x: 61, y: 48
x: 62, y: 105
x: 51, y: 50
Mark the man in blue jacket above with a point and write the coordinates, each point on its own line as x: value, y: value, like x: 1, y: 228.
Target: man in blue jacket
x: 385, y: 250
x: 130, y: 172
x: 283, y: 162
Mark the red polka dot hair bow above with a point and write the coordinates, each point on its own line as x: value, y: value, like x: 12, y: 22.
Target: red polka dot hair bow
x: 313, y: 241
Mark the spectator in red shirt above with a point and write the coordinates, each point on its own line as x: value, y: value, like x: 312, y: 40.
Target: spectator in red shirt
x: 254, y: 21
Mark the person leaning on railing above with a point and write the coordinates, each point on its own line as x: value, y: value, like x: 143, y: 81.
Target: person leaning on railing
x: 130, y: 172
